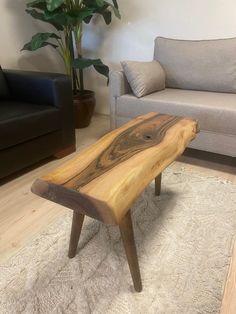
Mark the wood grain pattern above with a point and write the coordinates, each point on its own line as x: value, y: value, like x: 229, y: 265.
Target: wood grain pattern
x: 104, y: 180
x: 131, y: 141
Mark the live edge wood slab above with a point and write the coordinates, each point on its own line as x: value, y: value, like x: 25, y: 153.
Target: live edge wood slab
x: 104, y: 180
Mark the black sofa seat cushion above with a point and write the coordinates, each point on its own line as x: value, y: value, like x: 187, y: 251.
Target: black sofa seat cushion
x: 20, y: 122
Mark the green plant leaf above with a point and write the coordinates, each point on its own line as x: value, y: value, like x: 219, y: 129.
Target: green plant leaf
x: 72, y: 17
x: 102, y: 69
x: 60, y: 18
x: 28, y: 46
x: 107, y: 15
x: 40, y: 40
x: 42, y: 17
x: 93, y: 4
x: 83, y: 63
x: 54, y: 4
x: 100, y: 3
x: 115, y: 4
x: 102, y: 10
x: 87, y: 19
x: 37, y: 4
x: 114, y: 8
x: 81, y: 14
x: 99, y: 66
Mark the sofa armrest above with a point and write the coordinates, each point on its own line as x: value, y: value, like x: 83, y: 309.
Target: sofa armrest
x: 118, y: 86
x: 50, y: 89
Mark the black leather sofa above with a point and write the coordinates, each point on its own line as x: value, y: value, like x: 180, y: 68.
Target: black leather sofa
x: 36, y: 118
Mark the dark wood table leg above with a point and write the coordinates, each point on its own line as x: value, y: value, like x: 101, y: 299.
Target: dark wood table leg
x: 127, y: 234
x: 76, y: 227
x: 158, y: 185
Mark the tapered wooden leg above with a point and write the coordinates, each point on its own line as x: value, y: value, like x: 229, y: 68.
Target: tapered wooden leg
x: 76, y: 227
x: 127, y: 234
x: 158, y: 185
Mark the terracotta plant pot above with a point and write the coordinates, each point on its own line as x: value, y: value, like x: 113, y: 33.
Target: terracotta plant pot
x: 84, y: 106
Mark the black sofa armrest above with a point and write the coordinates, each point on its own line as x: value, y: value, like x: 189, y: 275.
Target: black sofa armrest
x: 50, y: 89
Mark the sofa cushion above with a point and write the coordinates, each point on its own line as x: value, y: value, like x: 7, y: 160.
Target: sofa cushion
x: 3, y: 85
x: 216, y: 112
x: 144, y: 77
x: 20, y: 122
x: 207, y: 65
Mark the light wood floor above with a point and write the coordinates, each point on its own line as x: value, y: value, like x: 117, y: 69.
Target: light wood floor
x: 23, y: 215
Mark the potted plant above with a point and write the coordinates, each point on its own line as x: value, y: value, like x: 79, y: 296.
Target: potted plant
x: 67, y: 17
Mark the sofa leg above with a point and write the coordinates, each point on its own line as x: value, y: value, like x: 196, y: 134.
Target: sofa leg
x: 66, y: 151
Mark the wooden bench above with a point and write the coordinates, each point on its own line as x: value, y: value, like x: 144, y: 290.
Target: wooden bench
x: 104, y: 180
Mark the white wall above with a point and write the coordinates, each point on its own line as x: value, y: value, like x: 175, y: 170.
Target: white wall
x: 130, y: 38
x: 16, y: 28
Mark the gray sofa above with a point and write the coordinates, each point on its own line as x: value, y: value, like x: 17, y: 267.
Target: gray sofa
x: 200, y: 83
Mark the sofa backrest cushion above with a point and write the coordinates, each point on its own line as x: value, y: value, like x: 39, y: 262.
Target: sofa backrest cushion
x: 208, y: 65
x: 3, y: 85
x: 144, y: 77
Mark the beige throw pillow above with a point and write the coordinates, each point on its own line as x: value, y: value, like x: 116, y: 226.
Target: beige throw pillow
x: 144, y: 77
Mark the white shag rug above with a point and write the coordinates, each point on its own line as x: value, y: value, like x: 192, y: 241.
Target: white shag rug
x: 184, y: 241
